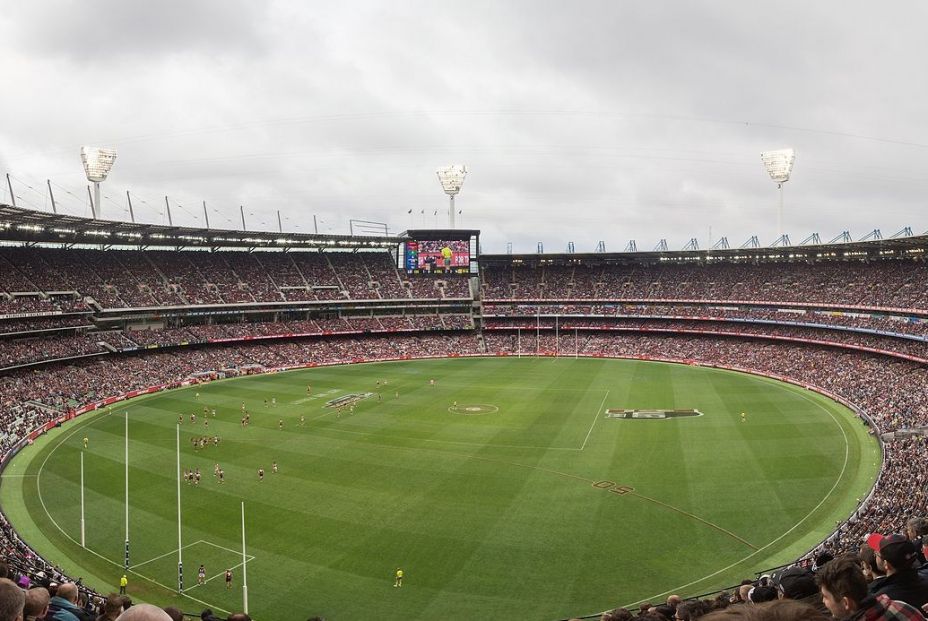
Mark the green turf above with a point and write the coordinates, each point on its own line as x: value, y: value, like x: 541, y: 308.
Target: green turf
x: 491, y: 515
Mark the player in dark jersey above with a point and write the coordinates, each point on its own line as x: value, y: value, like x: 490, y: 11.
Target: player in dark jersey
x: 260, y: 474
x: 228, y: 579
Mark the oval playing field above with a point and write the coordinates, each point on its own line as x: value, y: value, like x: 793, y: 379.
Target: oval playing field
x: 533, y: 488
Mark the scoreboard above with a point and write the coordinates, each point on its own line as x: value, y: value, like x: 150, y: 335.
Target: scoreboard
x: 444, y: 252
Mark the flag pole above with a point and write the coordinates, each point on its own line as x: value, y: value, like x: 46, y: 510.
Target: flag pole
x: 244, y: 565
x: 180, y: 548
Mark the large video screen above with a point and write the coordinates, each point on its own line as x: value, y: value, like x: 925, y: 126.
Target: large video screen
x: 437, y: 257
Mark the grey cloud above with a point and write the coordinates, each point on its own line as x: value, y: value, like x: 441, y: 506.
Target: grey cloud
x: 101, y: 32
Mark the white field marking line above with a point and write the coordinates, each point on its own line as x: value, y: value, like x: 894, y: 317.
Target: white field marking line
x: 198, y: 541
x: 166, y: 554
x: 77, y: 543
x: 216, y: 545
x: 847, y: 449
x: 18, y: 476
x: 478, y: 444
x: 598, y: 412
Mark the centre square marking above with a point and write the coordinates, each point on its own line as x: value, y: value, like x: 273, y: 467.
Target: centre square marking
x: 349, y: 399
x: 473, y: 409
x: 650, y: 414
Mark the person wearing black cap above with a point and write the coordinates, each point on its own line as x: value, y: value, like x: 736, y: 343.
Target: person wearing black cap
x: 798, y: 583
x: 897, y: 555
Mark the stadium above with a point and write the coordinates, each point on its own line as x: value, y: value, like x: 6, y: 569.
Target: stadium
x: 329, y: 311
x: 542, y: 414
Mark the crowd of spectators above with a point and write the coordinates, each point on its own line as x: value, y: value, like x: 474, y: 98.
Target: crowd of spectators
x: 38, y: 305
x: 153, y: 278
x: 890, y: 283
x: 888, y: 323
x: 38, y: 324
x: 54, y: 345
x: 38, y: 349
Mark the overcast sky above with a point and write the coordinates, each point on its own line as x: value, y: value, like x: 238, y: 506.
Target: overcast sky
x: 578, y: 121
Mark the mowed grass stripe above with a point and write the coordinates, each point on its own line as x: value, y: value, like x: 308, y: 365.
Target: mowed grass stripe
x: 464, y: 503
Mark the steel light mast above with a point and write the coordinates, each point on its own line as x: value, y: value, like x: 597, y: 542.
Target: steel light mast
x: 779, y: 165
x: 451, y: 179
x: 98, y: 161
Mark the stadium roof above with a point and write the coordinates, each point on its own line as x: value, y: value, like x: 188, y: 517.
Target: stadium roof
x: 28, y: 226
x: 24, y: 225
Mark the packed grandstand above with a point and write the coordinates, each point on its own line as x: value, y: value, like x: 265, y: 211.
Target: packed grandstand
x: 84, y: 324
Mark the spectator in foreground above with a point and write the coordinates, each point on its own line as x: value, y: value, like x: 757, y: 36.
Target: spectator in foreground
x: 916, y: 529
x: 63, y: 606
x: 174, y: 613
x: 144, y: 612
x: 112, y: 608
x: 873, y: 572
x: 619, y: 614
x: 777, y: 610
x: 12, y: 600
x: 798, y: 583
x: 36, y: 604
x: 902, y: 582
x: 844, y: 591
x: 692, y: 610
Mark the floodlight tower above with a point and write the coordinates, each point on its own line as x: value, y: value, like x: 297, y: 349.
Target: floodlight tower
x: 779, y: 165
x: 98, y: 161
x: 451, y: 179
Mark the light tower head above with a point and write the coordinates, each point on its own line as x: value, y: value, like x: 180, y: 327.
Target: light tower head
x: 452, y: 178
x: 98, y: 161
x: 779, y: 164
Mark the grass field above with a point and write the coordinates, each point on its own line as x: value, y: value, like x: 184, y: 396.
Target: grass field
x: 524, y: 502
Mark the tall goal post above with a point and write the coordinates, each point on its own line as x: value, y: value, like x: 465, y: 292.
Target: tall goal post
x: 180, y: 547
x: 126, y: 415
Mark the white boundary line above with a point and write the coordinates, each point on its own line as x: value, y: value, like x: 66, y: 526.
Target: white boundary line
x: 847, y: 449
x: 598, y: 412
